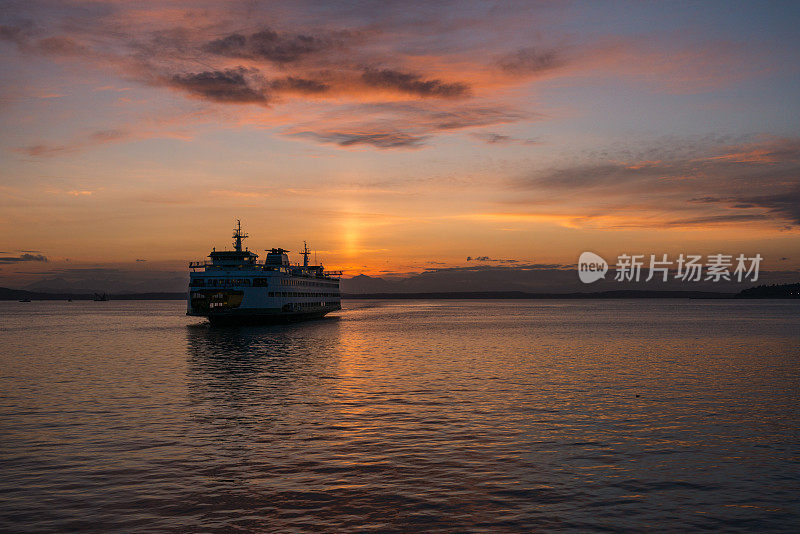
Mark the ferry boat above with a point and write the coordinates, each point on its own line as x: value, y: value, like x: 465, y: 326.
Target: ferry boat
x: 234, y: 287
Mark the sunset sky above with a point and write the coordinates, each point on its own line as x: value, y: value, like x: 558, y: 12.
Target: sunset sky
x: 396, y: 136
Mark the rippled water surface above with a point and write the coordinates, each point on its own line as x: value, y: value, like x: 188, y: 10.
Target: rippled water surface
x: 499, y: 416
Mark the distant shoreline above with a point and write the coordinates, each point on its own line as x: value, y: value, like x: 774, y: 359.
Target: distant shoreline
x: 784, y: 291
x: 522, y: 295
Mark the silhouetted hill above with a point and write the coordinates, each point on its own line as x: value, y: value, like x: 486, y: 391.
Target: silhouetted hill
x: 477, y: 295
x: 367, y: 284
x: 538, y: 279
x: 101, y: 280
x: 18, y: 294
x: 774, y: 291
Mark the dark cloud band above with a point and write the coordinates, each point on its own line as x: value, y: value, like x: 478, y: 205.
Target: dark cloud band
x: 413, y: 84
x: 22, y: 258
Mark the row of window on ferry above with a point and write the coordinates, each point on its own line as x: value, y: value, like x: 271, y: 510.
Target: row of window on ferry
x: 312, y: 304
x: 301, y: 294
x: 255, y: 282
x: 302, y: 282
x: 228, y: 282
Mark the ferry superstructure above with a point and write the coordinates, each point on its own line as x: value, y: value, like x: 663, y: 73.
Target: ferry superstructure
x: 235, y: 287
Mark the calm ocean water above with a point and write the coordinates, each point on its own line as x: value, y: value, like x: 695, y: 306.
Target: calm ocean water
x: 490, y: 416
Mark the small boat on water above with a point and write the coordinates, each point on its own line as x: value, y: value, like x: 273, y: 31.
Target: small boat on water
x: 100, y: 297
x: 24, y: 300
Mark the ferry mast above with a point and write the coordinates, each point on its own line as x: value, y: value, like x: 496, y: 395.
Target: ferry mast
x: 238, y: 235
x: 305, y: 254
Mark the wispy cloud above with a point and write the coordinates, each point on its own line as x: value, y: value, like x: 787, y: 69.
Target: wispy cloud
x: 26, y: 257
x: 531, y: 60
x: 95, y: 138
x: 383, y: 139
x: 500, y: 139
x: 494, y: 260
x: 402, y: 125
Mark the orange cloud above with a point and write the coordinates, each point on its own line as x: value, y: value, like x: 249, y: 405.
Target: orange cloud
x: 677, y: 190
x: 352, y: 66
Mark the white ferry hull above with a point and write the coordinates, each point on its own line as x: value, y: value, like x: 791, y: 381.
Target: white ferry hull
x: 262, y: 304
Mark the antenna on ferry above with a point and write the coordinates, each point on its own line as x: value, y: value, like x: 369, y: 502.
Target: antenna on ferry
x: 305, y: 254
x: 238, y: 235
